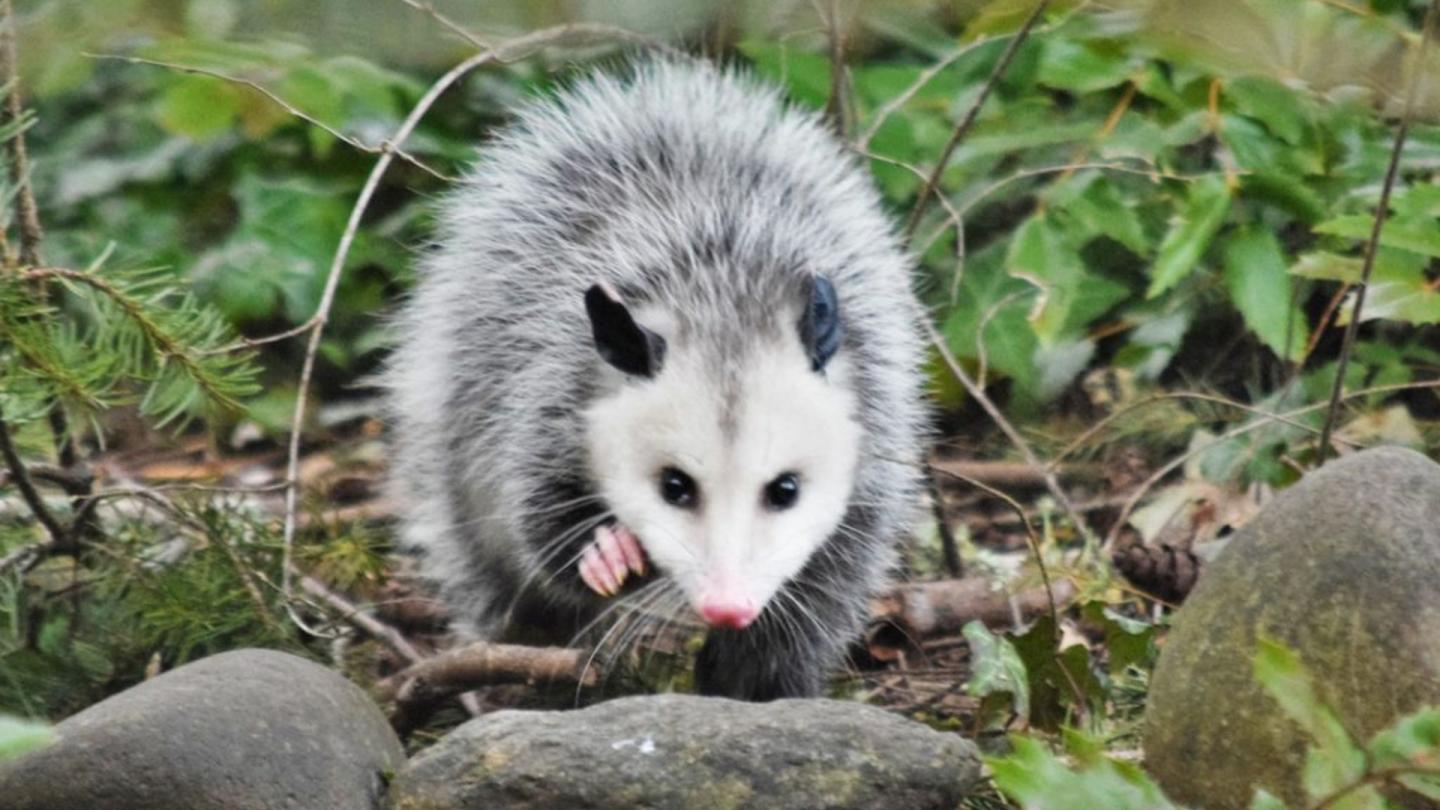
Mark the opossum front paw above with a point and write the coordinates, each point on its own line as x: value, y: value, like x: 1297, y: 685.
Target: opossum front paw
x: 610, y: 559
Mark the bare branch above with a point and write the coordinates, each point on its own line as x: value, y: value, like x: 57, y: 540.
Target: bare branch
x: 352, y: 614
x: 975, y: 391
x: 1382, y: 209
x: 455, y: 28
x: 932, y: 185
x: 1265, y: 420
x: 29, y: 213
x: 21, y: 477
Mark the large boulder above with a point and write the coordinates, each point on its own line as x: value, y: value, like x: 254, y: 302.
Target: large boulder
x: 245, y: 730
x: 1344, y: 568
x: 684, y: 751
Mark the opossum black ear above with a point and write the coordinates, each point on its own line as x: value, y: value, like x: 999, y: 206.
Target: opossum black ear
x: 621, y: 341
x: 820, y: 327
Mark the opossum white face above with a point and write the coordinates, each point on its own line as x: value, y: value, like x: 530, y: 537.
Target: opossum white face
x: 730, y: 478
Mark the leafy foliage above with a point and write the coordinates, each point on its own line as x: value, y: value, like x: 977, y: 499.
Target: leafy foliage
x: 19, y: 736
x: 1338, y: 772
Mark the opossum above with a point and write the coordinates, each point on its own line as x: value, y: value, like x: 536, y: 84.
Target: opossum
x: 664, y: 344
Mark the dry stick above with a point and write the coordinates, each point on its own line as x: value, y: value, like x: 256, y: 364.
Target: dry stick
x: 890, y: 107
x: 510, y: 50
x: 270, y: 94
x: 1047, y: 474
x: 1030, y: 537
x: 29, y: 213
x: 1034, y: 542
x: 27, y: 488
x: 1382, y: 208
x: 932, y: 185
x: 1265, y: 420
x: 456, y: 28
x: 1109, y: 419
x: 351, y: 613
x: 835, y: 105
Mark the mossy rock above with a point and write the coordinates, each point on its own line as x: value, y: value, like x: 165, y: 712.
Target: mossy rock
x: 685, y: 751
x: 1344, y: 568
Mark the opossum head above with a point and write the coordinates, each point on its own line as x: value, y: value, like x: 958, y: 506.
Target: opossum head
x: 732, y: 461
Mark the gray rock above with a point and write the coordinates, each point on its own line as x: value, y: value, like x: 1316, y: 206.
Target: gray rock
x: 245, y: 730
x: 680, y: 751
x: 1342, y: 568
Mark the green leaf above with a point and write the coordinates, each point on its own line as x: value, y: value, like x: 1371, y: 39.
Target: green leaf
x: 1265, y: 800
x: 1412, y: 741
x: 1334, y: 761
x: 805, y: 74
x: 1260, y: 286
x: 1414, y: 301
x: 1097, y: 206
x: 995, y: 667
x: 1191, y: 231
x: 1278, y: 107
x: 1415, y: 235
x: 19, y: 736
x: 1043, y: 254
x: 199, y: 107
x: 1038, y: 780
x: 1127, y: 642
x: 1056, y: 675
x: 1083, y: 67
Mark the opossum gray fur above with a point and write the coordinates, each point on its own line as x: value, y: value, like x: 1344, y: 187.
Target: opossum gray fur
x: 640, y: 278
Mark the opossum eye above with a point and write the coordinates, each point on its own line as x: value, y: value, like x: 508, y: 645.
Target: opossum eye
x: 677, y: 488
x: 783, y: 491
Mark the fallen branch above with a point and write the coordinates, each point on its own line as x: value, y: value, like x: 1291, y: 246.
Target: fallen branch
x: 921, y: 610
x: 415, y: 691
x: 1012, y: 473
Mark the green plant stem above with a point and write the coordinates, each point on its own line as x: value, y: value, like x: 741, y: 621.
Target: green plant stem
x: 1382, y: 209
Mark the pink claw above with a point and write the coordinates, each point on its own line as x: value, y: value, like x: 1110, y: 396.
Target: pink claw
x: 630, y: 547
x: 610, y: 558
x: 596, y: 573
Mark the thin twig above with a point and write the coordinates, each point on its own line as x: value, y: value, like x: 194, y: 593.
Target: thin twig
x: 21, y: 477
x: 273, y: 96
x: 1169, y: 396
x: 1047, y: 474
x: 456, y: 28
x: 932, y: 185
x: 835, y: 104
x: 514, y: 49
x: 371, y: 626
x: 891, y: 106
x: 948, y: 546
x: 1031, y: 538
x: 1382, y: 209
x: 28, y: 212
x: 1264, y: 420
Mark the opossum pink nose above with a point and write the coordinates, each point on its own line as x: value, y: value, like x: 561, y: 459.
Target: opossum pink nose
x: 729, y: 612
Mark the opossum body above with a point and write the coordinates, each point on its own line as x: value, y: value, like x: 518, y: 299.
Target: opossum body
x: 664, y: 349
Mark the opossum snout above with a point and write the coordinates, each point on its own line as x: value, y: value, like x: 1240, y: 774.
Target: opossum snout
x: 723, y: 610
